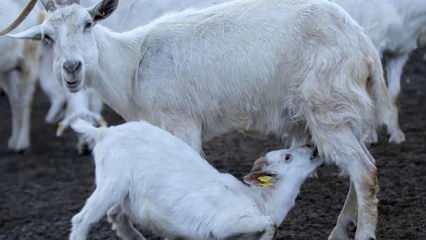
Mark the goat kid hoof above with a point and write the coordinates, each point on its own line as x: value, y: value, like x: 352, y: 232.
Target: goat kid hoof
x: 338, y: 235
x: 397, y: 138
x: 19, y: 149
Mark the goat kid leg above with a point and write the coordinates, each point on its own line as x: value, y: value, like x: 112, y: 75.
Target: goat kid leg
x: 394, y: 70
x: 122, y: 225
x: 347, y: 216
x: 251, y: 228
x: 107, y: 194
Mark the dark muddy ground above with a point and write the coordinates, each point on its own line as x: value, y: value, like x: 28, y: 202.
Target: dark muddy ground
x: 42, y: 189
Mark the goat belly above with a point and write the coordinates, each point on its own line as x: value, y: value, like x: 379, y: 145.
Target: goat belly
x: 191, y: 215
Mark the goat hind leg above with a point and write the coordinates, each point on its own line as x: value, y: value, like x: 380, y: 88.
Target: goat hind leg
x: 349, y: 153
x: 394, y: 70
x: 122, y: 225
x: 347, y: 216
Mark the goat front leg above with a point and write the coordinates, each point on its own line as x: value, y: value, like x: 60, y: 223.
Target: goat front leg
x: 107, y: 194
x: 347, y: 216
x: 20, y: 89
x: 122, y: 225
x: 394, y: 70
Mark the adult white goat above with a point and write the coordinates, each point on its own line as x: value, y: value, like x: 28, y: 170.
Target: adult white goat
x: 395, y: 28
x: 130, y: 14
x: 18, y: 74
x: 167, y: 188
x: 264, y: 65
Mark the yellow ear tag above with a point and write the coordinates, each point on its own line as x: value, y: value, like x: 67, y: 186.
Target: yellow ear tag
x: 265, y: 181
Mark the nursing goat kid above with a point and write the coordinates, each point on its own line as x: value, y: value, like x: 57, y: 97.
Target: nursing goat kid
x: 396, y: 28
x: 166, y: 187
x: 18, y: 75
x: 262, y: 65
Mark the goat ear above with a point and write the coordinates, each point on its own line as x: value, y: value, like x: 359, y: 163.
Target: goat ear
x: 103, y: 9
x: 421, y: 39
x: 261, y: 179
x: 33, y: 33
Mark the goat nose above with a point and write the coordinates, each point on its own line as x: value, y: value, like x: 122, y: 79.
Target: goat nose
x: 72, y: 66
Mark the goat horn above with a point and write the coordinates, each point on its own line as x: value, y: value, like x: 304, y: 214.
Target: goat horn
x: 20, y: 18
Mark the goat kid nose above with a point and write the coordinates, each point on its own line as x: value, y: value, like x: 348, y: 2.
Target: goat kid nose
x: 72, y: 66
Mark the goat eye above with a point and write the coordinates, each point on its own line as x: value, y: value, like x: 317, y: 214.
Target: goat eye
x: 288, y: 157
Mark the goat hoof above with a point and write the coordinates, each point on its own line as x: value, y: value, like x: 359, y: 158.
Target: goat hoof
x: 398, y: 137
x: 113, y: 227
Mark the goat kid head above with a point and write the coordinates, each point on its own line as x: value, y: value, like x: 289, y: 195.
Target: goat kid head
x: 282, y: 165
x: 68, y: 30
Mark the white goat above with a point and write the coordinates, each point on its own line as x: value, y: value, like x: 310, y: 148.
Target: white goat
x: 18, y: 74
x: 129, y: 15
x: 263, y: 65
x: 395, y: 28
x: 86, y: 104
x: 167, y: 188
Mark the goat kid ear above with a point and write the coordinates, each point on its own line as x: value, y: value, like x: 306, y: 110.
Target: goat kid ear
x: 33, y: 33
x: 261, y: 179
x: 103, y: 9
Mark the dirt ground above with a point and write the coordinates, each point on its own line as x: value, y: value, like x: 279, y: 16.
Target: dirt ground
x: 42, y: 189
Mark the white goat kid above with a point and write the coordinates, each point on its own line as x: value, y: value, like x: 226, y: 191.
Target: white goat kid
x: 396, y: 28
x: 262, y: 65
x: 18, y: 74
x: 167, y: 188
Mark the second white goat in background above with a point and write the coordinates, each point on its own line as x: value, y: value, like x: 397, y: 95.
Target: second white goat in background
x: 396, y: 27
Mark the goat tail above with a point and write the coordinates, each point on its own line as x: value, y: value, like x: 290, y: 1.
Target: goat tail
x: 88, y: 130
x: 386, y: 110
